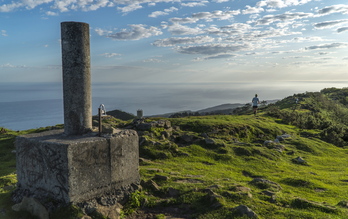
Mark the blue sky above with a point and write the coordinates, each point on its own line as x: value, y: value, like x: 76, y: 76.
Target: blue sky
x: 181, y: 41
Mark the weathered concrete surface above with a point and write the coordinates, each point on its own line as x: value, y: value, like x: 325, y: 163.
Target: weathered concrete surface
x: 33, y: 206
x: 76, y: 78
x: 76, y: 168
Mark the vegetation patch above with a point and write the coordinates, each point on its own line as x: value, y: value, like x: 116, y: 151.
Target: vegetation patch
x: 305, y: 204
x: 298, y: 182
x: 242, y: 151
x: 266, y: 184
x: 206, y: 166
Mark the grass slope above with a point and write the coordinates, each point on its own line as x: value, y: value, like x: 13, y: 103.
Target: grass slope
x: 206, y: 179
x: 308, y: 191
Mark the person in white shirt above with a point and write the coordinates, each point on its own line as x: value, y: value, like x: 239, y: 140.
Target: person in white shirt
x: 255, y: 102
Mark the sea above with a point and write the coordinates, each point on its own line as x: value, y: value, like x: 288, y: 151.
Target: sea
x: 26, y: 106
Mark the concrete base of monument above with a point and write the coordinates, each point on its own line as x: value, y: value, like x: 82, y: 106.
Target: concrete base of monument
x: 73, y: 169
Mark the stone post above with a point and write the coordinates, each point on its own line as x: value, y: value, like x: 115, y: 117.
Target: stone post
x: 67, y: 165
x: 140, y: 113
x: 76, y: 78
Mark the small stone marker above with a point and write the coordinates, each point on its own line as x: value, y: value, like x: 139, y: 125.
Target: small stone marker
x: 140, y: 113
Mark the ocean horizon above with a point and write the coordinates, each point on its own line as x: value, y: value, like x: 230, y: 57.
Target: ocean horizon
x: 32, y: 105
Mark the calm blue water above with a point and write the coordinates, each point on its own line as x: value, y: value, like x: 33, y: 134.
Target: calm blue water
x: 32, y: 105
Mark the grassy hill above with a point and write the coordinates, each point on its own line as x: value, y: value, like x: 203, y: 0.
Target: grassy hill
x: 213, y: 166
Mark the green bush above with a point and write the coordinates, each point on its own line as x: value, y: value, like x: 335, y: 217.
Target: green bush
x: 325, y: 110
x: 335, y: 134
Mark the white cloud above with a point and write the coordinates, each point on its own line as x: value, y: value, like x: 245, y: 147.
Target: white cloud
x: 334, y: 9
x: 30, y: 4
x: 220, y: 15
x: 221, y: 56
x: 178, y: 29
x: 194, y: 4
x: 183, y: 40
x: 280, y: 3
x: 102, y: 32
x: 329, y: 24
x: 233, y: 29
x: 284, y: 24
x: 110, y: 55
x: 130, y: 8
x: 328, y: 46
x: 184, y: 20
x: 207, y: 16
x: 307, y: 39
x: 296, y: 25
x: 84, y: 5
x: 161, y: 13
x: 153, y: 60
x: 221, y: 31
x: 259, y: 37
x: 10, y: 7
x: 99, y: 4
x: 8, y: 65
x: 51, y: 13
x: 157, y: 14
x: 238, y: 26
x: 213, y: 49
x: 126, y: 6
x: 220, y: 1
x: 4, y: 33
x: 60, y: 5
x: 252, y: 10
x: 342, y: 29
x: 297, y: 57
x: 137, y: 32
x: 288, y: 16
x: 271, y: 4
x: 262, y: 39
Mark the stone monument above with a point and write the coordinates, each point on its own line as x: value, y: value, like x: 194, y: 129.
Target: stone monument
x: 75, y: 164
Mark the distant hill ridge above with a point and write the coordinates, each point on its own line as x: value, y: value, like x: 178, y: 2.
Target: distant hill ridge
x: 226, y: 108
x: 219, y: 109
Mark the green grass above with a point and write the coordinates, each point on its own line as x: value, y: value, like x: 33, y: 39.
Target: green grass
x: 320, y: 182
x: 309, y: 191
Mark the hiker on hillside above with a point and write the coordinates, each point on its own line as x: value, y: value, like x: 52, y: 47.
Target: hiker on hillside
x: 255, y: 102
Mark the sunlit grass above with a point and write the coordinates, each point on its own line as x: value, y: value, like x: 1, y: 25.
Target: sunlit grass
x: 238, y: 157
x: 320, y: 181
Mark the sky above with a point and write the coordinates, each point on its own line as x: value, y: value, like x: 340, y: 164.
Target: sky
x: 276, y: 43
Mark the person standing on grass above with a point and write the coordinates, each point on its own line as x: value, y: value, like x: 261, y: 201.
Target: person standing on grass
x: 255, y: 102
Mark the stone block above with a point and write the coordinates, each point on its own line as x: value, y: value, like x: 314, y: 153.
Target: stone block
x: 76, y: 168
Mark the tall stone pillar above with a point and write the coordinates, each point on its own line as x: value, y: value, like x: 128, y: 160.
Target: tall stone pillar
x: 76, y: 78
x: 67, y: 165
